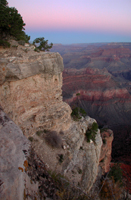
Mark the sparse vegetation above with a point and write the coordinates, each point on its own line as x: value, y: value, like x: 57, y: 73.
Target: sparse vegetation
x: 53, y: 139
x: 4, y: 43
x: 110, y: 190
x: 116, y: 173
x: 91, y: 132
x: 103, y: 129
x: 41, y: 44
x: 77, y: 113
x: 77, y: 94
x: 112, y: 185
x: 65, y: 190
x: 39, y: 133
x: 11, y: 25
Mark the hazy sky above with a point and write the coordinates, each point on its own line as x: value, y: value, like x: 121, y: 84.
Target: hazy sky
x: 76, y: 21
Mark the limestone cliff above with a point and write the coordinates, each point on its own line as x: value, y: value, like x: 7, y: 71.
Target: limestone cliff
x: 31, y: 95
x: 31, y: 90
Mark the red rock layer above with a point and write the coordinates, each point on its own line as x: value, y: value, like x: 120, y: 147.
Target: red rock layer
x: 93, y: 85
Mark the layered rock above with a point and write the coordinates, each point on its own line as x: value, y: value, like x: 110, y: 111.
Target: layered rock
x: 30, y: 93
x: 104, y: 99
x: 31, y: 87
x: 93, y: 85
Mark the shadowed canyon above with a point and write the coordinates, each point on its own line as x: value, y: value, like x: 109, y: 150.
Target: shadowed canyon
x: 97, y: 77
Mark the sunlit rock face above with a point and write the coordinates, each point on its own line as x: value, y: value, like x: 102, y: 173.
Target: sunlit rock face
x: 30, y: 93
x: 31, y: 87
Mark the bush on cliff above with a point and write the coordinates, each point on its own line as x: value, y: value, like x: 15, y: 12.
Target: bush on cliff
x: 77, y: 113
x: 91, y: 132
x: 112, y: 184
x: 116, y: 173
x: 11, y: 24
x: 41, y: 44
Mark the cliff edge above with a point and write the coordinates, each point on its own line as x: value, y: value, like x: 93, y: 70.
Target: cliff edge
x: 31, y: 95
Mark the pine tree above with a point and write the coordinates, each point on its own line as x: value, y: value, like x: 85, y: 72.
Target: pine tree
x: 41, y: 44
x: 11, y: 23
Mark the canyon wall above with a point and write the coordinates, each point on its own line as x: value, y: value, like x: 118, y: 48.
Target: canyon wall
x: 103, y: 98
x: 31, y: 95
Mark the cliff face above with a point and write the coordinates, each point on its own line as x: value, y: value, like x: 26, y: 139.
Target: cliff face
x: 106, y: 150
x: 30, y: 93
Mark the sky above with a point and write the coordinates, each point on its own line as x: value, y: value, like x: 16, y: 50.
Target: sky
x: 76, y: 21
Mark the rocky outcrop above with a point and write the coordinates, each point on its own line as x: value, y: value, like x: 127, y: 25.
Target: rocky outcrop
x: 76, y: 159
x: 13, y: 150
x: 30, y: 93
x: 31, y: 87
x: 106, y: 150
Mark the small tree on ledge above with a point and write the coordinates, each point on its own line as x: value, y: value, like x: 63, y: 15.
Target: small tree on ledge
x: 41, y: 44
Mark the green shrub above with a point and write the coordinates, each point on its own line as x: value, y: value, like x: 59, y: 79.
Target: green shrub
x: 39, y: 133
x: 4, y: 43
x: 78, y: 94
x: 94, y: 126
x: 11, y: 24
x: 41, y: 44
x: 36, y: 49
x: 103, y: 129
x: 77, y: 113
x: 91, y: 132
x: 83, y: 112
x: 116, y: 173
